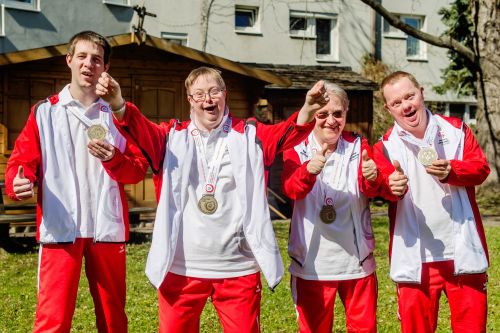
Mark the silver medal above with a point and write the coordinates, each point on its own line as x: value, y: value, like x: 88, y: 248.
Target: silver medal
x: 427, y: 155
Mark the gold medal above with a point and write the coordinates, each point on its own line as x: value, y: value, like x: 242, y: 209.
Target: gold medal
x: 207, y: 204
x: 327, y: 214
x: 427, y: 155
x: 97, y: 132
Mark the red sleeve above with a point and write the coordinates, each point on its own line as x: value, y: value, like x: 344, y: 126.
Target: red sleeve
x: 374, y: 187
x: 473, y: 168
x: 282, y: 136
x: 150, y: 137
x: 128, y: 167
x: 27, y: 153
x: 296, y: 181
x: 385, y: 169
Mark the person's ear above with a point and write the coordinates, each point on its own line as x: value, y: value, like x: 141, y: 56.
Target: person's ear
x: 68, y: 60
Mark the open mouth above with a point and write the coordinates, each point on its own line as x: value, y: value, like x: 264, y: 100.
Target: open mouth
x: 411, y: 114
x: 87, y: 74
x: 210, y: 108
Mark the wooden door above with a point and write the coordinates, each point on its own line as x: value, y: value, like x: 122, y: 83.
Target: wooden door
x: 159, y: 101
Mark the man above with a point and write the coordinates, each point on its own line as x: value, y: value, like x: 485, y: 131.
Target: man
x: 437, y: 238
x: 329, y: 176
x: 68, y: 148
x: 212, y: 232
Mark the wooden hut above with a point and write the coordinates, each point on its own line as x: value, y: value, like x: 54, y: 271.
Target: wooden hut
x: 151, y: 74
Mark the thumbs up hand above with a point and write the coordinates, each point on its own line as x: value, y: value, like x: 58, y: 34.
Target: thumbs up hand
x: 318, y: 161
x: 398, y: 181
x: 23, y: 187
x: 368, y: 166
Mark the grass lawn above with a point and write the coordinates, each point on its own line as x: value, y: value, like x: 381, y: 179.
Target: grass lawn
x: 18, y: 293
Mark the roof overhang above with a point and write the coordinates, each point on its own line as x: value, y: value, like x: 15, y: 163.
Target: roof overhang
x: 158, y: 43
x: 304, y: 77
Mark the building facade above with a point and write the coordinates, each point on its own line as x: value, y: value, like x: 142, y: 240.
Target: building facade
x: 291, y: 32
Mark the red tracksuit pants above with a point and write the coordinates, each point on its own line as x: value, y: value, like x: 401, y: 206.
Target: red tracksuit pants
x: 58, y: 276
x: 181, y: 300
x: 315, y: 301
x: 418, y: 304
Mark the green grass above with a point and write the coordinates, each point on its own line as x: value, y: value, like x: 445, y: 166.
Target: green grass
x: 18, y: 293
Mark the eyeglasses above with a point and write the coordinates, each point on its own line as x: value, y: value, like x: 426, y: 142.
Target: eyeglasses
x: 200, y: 96
x: 335, y: 114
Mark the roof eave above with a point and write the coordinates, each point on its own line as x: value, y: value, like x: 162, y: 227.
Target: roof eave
x: 158, y: 43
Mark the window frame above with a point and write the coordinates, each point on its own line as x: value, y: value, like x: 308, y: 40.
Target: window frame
x: 395, y: 33
x: 176, y: 36
x: 33, y: 6
x: 122, y: 3
x: 311, y: 32
x: 2, y: 18
x: 255, y: 11
x: 422, y: 46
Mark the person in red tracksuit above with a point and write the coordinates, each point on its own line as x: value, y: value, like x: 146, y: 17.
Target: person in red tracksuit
x: 329, y: 176
x: 69, y: 147
x: 213, y: 234
x: 437, y: 244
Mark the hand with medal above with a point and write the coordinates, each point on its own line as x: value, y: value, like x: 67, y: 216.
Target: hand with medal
x: 398, y: 181
x: 109, y: 90
x: 318, y: 161
x: 439, y: 168
x: 23, y: 187
x: 316, y: 98
x: 101, y: 149
x: 368, y: 167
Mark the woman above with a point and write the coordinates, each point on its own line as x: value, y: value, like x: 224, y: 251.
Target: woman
x: 329, y: 176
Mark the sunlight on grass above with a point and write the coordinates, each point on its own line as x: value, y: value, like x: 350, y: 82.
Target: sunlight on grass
x: 18, y: 293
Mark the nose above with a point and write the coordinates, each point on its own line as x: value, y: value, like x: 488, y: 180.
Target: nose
x: 87, y: 62
x: 406, y: 105
x: 331, y: 119
x: 207, y: 96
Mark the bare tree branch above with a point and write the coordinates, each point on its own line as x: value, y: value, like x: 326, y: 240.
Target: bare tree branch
x: 446, y: 42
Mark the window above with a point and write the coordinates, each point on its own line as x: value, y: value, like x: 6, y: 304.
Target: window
x: 2, y: 19
x: 457, y: 110
x: 22, y: 4
x: 390, y: 31
x: 301, y: 27
x: 415, y: 49
x: 472, y: 112
x: 246, y: 19
x: 319, y: 26
x: 176, y: 37
x: 117, y: 2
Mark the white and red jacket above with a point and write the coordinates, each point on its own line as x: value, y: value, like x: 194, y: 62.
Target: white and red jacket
x: 304, y: 188
x: 454, y: 142
x: 252, y: 147
x: 45, y: 151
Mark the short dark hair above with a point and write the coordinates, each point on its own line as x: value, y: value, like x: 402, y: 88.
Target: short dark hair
x: 93, y: 37
x: 395, y: 76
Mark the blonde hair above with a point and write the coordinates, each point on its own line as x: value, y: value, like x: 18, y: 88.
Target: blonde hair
x: 201, y: 71
x: 394, y: 77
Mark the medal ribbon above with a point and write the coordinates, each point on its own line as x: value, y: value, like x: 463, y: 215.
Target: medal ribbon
x: 429, y: 136
x: 85, y: 120
x: 330, y: 183
x: 210, y: 170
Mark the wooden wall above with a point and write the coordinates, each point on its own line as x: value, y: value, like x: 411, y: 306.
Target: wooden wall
x: 150, y: 78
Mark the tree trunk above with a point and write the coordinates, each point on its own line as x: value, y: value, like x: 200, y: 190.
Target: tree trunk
x: 486, y: 14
